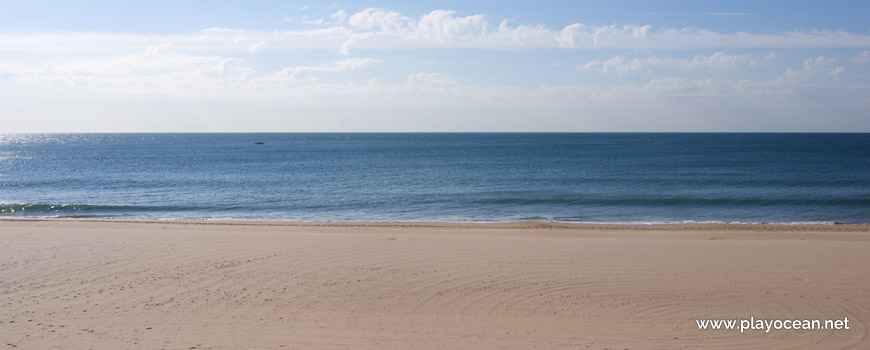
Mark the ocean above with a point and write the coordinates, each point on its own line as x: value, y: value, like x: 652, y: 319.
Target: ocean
x: 619, y: 178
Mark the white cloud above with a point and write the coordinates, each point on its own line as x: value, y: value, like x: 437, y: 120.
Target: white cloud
x: 319, y: 22
x: 430, y: 81
x: 836, y: 72
x: 375, y: 28
x: 811, y: 68
x: 811, y: 64
x: 387, y: 22
x: 619, y: 64
x: 209, y: 64
x: 438, y: 89
x: 257, y: 46
x: 152, y: 72
x: 226, y: 87
x: 340, y: 16
x: 441, y: 26
x: 293, y: 73
x: 795, y: 84
x: 159, y: 71
x: 693, y: 87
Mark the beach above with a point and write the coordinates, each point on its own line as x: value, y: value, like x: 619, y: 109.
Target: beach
x: 113, y: 284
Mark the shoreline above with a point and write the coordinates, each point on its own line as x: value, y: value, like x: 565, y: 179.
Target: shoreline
x: 727, y: 226
x: 838, y: 227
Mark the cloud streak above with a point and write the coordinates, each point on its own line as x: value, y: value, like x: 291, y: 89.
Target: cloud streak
x: 374, y: 28
x: 155, y: 72
x: 729, y: 14
x: 620, y: 64
x: 294, y: 72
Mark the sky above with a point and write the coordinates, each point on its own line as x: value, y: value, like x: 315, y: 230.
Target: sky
x: 464, y: 66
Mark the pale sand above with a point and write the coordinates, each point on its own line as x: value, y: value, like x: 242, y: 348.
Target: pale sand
x: 105, y: 284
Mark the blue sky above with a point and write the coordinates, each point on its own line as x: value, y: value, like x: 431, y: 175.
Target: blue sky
x: 452, y: 66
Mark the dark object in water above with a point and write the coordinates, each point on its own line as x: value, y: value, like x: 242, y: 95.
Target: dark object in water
x: 258, y: 143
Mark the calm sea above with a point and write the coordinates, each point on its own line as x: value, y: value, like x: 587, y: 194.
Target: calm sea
x: 586, y: 177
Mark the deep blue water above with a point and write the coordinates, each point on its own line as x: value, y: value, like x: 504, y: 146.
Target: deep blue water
x: 597, y: 177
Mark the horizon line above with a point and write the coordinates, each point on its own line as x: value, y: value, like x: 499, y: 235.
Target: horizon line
x: 432, y: 132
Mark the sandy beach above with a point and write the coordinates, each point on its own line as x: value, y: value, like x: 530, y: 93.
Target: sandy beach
x: 107, y: 284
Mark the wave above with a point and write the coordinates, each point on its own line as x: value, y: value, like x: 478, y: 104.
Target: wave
x: 620, y: 211
x: 692, y: 222
x: 58, y: 209
x: 675, y: 201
